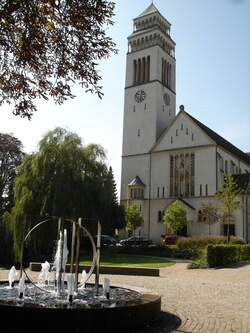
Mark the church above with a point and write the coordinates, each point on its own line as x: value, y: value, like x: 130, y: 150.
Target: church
x: 169, y: 156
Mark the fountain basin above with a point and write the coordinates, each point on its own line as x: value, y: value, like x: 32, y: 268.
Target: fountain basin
x: 115, y: 315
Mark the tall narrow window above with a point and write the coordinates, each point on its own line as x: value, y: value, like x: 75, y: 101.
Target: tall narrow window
x: 163, y: 191
x: 148, y: 68
x: 138, y: 132
x: 162, y: 70
x: 166, y: 73
x: 171, y: 139
x: 135, y: 71
x: 139, y: 71
x: 186, y: 131
x: 192, y: 173
x: 187, y: 175
x: 206, y: 190
x: 171, y: 176
x: 176, y: 132
x: 134, y: 108
x: 169, y: 75
x: 145, y: 106
x: 182, y: 127
x: 158, y: 192
x: 159, y: 216
x: 143, y: 69
x: 200, y: 190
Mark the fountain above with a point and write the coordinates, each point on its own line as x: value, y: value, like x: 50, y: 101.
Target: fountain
x: 64, y: 302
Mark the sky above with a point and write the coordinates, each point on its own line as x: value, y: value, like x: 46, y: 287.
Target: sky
x: 213, y: 78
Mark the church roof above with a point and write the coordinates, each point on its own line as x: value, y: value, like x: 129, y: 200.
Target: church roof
x: 136, y: 182
x: 221, y: 141
x: 150, y: 10
x: 243, y: 182
x: 185, y: 203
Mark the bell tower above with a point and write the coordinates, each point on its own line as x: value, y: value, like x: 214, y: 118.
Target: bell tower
x: 150, y: 102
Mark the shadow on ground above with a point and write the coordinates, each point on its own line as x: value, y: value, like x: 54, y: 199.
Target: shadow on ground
x: 235, y: 265
x: 166, y: 323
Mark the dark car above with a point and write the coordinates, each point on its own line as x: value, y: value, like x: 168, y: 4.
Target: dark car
x: 135, y: 241
x: 107, y: 240
x: 170, y: 239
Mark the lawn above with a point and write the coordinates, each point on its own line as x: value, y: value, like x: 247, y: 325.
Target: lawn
x: 123, y: 260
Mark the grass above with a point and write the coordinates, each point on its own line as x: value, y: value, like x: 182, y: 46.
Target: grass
x: 123, y: 260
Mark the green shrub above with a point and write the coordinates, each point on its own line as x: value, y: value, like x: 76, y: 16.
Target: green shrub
x: 245, y: 252
x: 198, y: 244
x: 203, y: 241
x: 220, y: 255
x: 200, y: 262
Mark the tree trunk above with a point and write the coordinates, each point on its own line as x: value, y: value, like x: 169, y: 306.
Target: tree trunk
x: 228, y: 232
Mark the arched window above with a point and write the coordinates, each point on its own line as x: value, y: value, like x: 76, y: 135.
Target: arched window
x: 143, y: 69
x: 148, y: 69
x: 200, y: 216
x: 135, y: 71
x: 167, y: 74
x: 159, y: 216
x: 139, y: 71
x: 162, y: 69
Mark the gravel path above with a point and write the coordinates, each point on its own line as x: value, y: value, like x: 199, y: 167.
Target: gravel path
x: 204, y: 301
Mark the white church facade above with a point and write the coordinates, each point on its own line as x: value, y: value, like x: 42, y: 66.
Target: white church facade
x: 168, y: 156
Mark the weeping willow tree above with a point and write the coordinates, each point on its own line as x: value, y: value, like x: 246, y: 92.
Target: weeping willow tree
x: 64, y: 178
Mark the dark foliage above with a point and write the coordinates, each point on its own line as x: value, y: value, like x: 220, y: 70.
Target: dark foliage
x: 11, y: 155
x: 220, y: 255
x: 48, y: 45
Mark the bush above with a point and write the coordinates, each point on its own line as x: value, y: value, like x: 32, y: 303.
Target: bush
x: 200, y: 262
x: 245, y: 252
x: 198, y: 244
x: 203, y: 241
x: 220, y: 255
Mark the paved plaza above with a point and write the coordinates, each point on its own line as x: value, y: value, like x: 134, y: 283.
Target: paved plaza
x: 209, y: 300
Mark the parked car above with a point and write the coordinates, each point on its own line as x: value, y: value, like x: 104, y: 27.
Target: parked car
x: 169, y: 239
x: 107, y: 240
x: 135, y: 240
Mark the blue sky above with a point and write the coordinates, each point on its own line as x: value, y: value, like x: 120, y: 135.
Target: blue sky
x: 213, y: 78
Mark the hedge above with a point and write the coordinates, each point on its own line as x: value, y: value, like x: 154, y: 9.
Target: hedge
x: 221, y: 254
x: 199, y: 242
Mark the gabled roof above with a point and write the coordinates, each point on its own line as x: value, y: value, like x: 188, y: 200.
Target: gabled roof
x: 136, y: 182
x: 243, y: 182
x: 150, y: 10
x: 182, y: 201
x: 220, y: 141
x: 185, y: 203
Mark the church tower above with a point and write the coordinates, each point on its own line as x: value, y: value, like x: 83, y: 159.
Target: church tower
x: 150, y: 103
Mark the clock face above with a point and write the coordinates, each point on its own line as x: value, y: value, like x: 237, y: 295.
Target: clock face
x: 140, y: 96
x: 166, y: 99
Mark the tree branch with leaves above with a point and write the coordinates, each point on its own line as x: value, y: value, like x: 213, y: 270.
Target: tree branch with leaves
x: 46, y: 46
